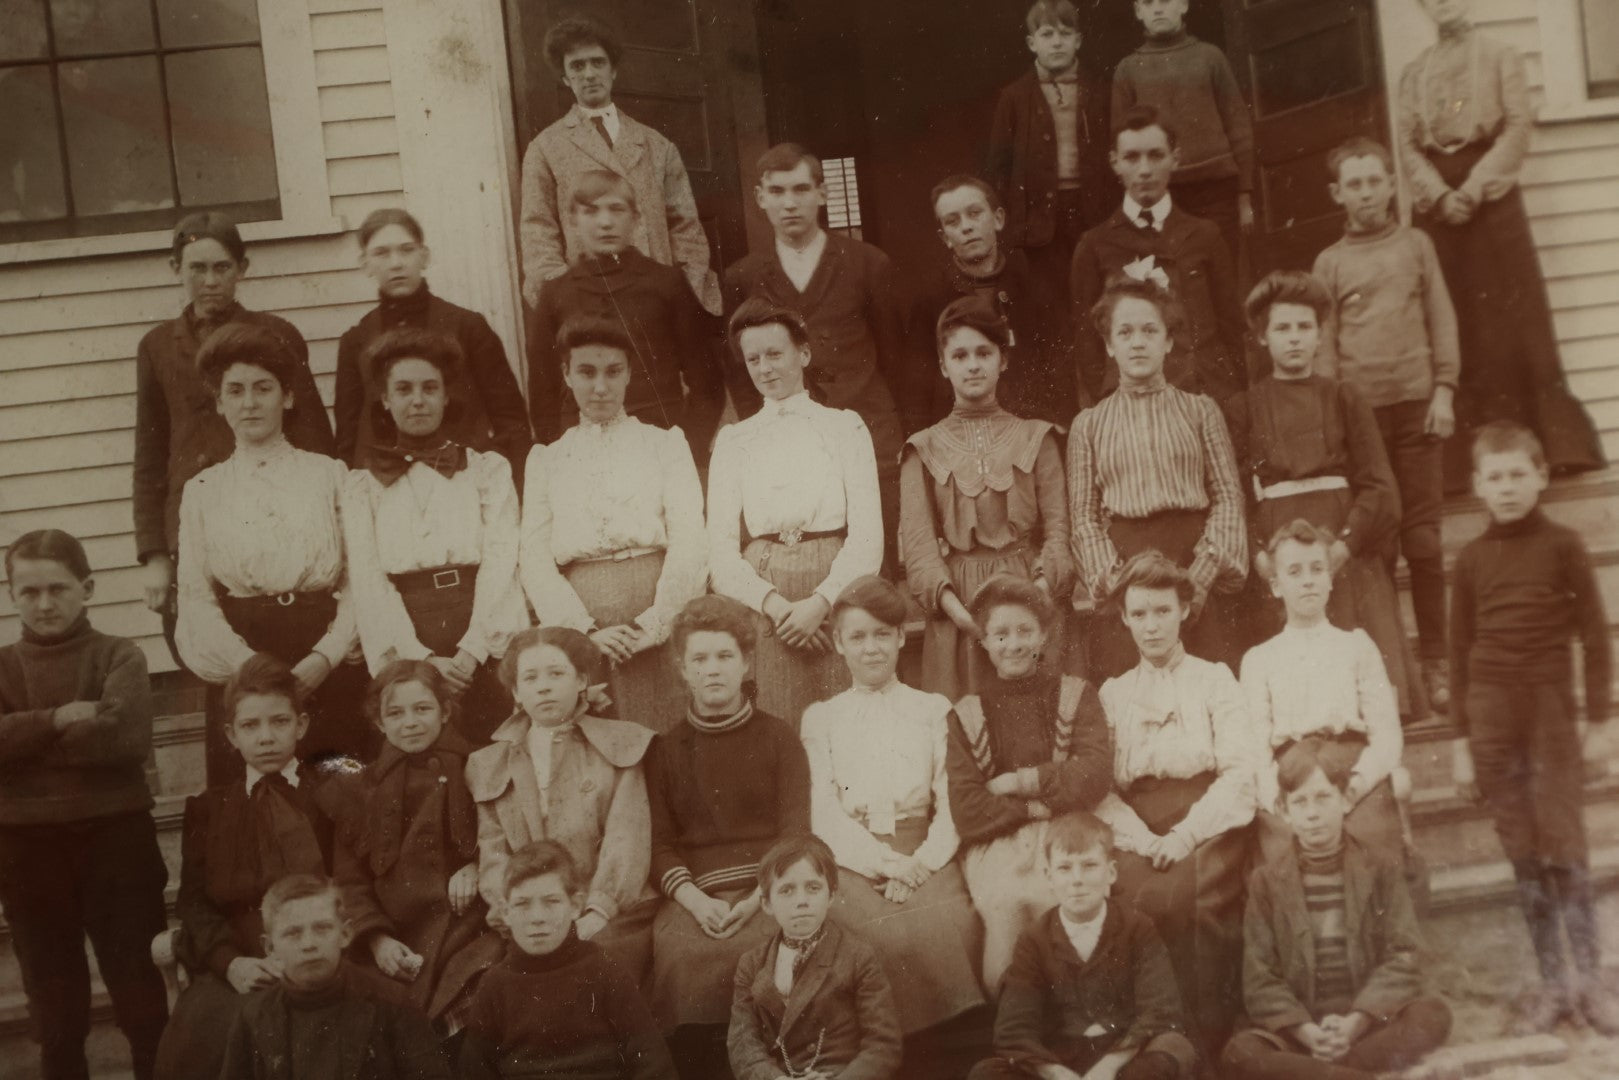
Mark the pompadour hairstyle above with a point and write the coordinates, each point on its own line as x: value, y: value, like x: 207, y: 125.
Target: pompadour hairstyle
x: 717, y: 615
x: 245, y: 343
x: 412, y: 343
x: 1286, y: 287
x: 1122, y: 287
x: 1152, y: 569
x: 1010, y: 590
x: 757, y: 311
x: 876, y: 596
x: 977, y: 313
x: 582, y: 331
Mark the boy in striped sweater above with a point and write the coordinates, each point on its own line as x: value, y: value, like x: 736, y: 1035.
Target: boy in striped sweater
x: 1329, y: 976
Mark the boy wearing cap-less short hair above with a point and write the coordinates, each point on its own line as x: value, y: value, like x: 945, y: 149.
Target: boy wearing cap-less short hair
x: 1090, y: 992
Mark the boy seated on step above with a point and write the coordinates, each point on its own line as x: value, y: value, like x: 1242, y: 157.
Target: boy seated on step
x: 812, y: 1002
x: 78, y: 847
x: 325, y: 1019
x: 239, y: 838
x: 1330, y: 980
x: 1521, y: 593
x: 556, y: 1005
x: 1090, y: 993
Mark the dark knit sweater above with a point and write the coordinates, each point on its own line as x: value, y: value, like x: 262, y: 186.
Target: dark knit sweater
x: 92, y: 769
x: 572, y: 1012
x: 1519, y: 594
x: 721, y: 797
x: 1021, y: 722
x: 1191, y: 84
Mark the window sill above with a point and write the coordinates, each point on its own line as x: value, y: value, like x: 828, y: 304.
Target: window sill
x: 1575, y: 111
x: 81, y: 247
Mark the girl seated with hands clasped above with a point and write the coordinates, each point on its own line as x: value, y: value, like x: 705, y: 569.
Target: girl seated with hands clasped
x: 406, y: 849
x: 556, y: 771
x: 880, y: 799
x: 1031, y: 744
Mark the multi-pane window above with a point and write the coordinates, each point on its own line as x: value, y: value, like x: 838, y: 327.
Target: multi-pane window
x: 120, y: 115
x: 842, y: 196
x: 1601, y: 19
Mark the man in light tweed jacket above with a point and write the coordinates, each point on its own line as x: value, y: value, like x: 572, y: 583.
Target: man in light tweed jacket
x: 594, y: 134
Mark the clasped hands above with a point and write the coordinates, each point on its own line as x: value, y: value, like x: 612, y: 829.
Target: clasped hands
x: 1331, y: 1038
x: 714, y: 916
x: 799, y: 624
x: 903, y: 875
x: 620, y: 643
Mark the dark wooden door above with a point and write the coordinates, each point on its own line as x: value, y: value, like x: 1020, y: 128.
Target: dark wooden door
x: 1313, y: 73
x: 690, y: 70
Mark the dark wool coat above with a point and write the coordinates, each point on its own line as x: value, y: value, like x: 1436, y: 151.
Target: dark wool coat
x: 1051, y: 997
x: 1278, y: 956
x: 489, y: 412
x: 840, y: 1005
x: 178, y: 430
x: 394, y: 866
x: 376, y: 1035
x: 1208, y: 355
x: 1022, y: 163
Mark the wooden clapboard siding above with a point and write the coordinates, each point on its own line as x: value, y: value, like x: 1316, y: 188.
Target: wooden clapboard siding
x: 1571, y: 187
x: 69, y: 328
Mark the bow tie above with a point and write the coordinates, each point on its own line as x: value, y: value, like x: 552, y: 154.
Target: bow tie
x: 389, y: 463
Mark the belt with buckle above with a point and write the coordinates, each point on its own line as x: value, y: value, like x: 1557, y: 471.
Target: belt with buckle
x: 434, y: 578
x: 621, y: 555
x: 793, y: 537
x: 286, y: 599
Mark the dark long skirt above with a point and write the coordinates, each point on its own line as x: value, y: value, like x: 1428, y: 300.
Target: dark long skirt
x: 1363, y: 594
x: 193, y: 1045
x: 288, y: 628
x: 1511, y: 369
x: 1196, y: 905
x: 693, y: 974
x: 440, y: 617
x: 928, y: 945
x: 1214, y: 635
x: 615, y: 591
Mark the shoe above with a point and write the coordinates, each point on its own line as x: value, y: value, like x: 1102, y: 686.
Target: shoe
x: 1538, y: 1012
x: 1436, y: 680
x: 1600, y: 1008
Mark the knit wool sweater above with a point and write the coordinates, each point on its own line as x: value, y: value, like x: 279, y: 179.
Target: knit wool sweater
x: 91, y: 769
x: 1191, y: 84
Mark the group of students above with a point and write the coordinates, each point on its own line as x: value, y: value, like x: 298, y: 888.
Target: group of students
x: 437, y: 836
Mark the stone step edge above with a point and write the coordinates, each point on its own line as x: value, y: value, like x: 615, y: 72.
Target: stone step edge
x: 1443, y: 806
x: 1473, y: 886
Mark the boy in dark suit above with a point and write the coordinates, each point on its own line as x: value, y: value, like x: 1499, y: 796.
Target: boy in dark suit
x: 1329, y: 970
x: 843, y: 288
x: 1041, y: 381
x: 239, y: 838
x: 1048, y: 144
x: 325, y: 1019
x: 1148, y: 236
x: 1090, y: 993
x: 813, y: 1001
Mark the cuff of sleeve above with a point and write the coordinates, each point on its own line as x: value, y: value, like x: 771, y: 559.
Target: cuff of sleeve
x: 653, y: 624
x: 1287, y: 1018
x: 410, y: 649
x: 673, y: 879
x: 474, y: 644
x: 602, y: 904
x: 753, y: 593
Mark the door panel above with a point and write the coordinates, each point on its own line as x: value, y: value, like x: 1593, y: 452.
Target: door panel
x: 1313, y: 73
x: 689, y: 69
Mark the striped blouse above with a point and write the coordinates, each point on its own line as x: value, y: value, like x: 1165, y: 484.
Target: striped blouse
x: 1139, y: 453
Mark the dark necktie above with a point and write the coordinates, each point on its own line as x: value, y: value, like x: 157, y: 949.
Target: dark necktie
x: 601, y: 126
x: 1146, y: 222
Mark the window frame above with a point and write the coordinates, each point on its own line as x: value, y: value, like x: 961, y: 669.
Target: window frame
x: 1563, y: 67
x: 287, y: 41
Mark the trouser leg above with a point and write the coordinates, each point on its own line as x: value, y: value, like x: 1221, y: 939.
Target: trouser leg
x: 1418, y: 1029
x: 42, y: 900
x: 124, y: 876
x: 1417, y: 460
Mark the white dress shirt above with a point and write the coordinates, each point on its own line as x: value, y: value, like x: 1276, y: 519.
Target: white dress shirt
x: 290, y: 771
x: 426, y: 520
x: 1159, y: 211
x: 793, y: 465
x: 603, y: 489
x: 1084, y: 935
x: 609, y: 117
x: 263, y: 522
x: 799, y: 263
x: 877, y: 757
